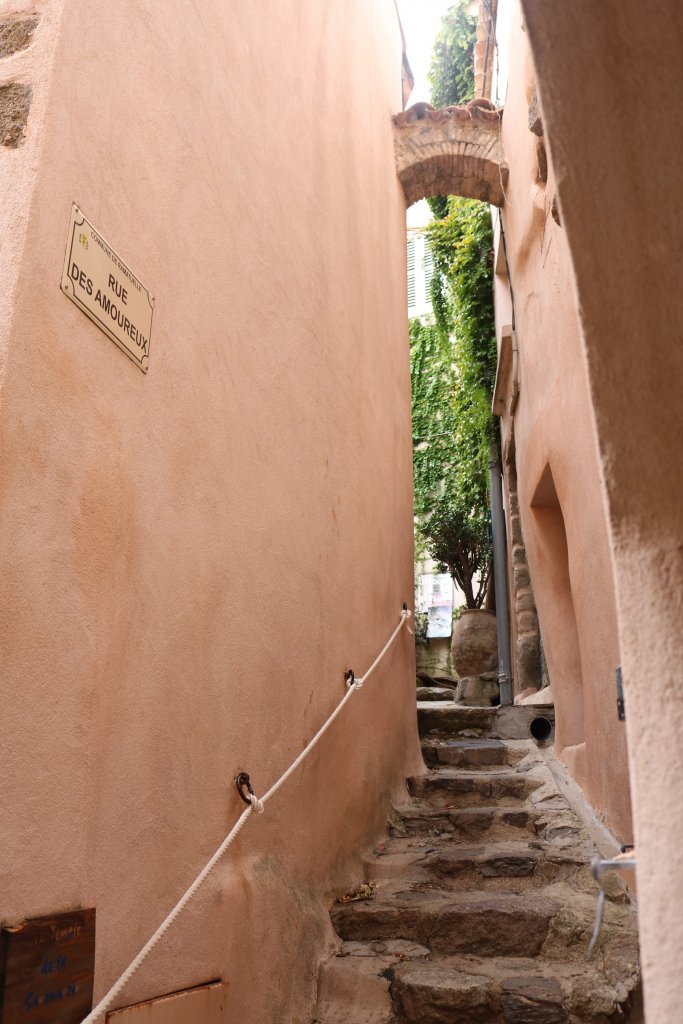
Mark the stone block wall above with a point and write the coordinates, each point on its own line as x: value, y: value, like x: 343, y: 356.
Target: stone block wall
x: 524, y: 617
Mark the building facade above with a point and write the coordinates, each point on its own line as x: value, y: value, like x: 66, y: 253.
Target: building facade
x: 590, y: 365
x: 593, y: 241
x: 192, y: 557
x: 251, y: 187
x: 559, y: 552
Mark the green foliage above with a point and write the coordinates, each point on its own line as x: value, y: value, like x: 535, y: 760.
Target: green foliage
x: 434, y: 417
x: 451, y: 72
x: 453, y: 365
x: 421, y: 622
x: 457, y: 612
x: 459, y: 541
x: 438, y: 205
x: 462, y: 286
x: 453, y: 360
x: 462, y: 248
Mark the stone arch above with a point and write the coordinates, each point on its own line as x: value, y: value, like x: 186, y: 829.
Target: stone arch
x: 454, y: 151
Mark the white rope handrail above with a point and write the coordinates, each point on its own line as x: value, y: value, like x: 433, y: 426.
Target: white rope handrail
x: 256, y: 807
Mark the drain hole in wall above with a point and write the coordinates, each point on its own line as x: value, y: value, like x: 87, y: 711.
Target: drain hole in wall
x: 541, y: 729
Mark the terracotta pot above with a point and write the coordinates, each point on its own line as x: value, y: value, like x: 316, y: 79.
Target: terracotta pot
x: 475, y: 643
x: 475, y: 692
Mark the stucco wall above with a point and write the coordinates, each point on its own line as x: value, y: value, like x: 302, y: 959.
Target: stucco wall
x: 554, y: 436
x: 618, y: 183
x: 190, y: 559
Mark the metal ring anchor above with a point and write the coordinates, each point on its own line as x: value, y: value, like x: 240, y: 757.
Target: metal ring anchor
x: 242, y: 782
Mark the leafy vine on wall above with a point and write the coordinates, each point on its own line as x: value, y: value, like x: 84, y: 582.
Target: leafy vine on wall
x: 453, y: 356
x: 453, y: 365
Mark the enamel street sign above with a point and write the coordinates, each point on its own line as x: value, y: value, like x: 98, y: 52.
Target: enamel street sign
x: 103, y: 287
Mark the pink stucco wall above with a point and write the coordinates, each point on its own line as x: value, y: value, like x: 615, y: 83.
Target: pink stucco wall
x: 554, y: 427
x: 190, y: 559
x: 618, y: 183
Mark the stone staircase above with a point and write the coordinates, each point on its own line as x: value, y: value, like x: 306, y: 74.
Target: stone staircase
x: 483, y: 902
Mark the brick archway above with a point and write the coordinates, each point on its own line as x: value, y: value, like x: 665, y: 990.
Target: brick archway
x: 453, y: 151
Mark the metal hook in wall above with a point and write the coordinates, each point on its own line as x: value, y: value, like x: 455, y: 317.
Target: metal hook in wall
x: 626, y: 860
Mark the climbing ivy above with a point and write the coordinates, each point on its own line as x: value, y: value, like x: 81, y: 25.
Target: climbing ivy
x: 434, y: 413
x: 453, y: 364
x: 451, y: 71
x: 453, y: 358
x: 462, y: 292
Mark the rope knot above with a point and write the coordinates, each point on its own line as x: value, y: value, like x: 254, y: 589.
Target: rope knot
x: 353, y: 682
x: 257, y: 806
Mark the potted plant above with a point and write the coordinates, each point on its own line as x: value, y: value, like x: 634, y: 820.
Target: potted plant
x: 457, y: 537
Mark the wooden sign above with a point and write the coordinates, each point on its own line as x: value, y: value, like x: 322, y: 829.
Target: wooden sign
x: 46, y: 969
x: 106, y: 290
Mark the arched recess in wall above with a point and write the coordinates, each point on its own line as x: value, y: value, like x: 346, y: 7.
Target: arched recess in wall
x: 559, y: 627
x: 454, y: 151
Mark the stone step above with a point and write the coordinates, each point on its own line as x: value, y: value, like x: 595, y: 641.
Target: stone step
x: 483, y: 903
x: 463, y: 823
x: 354, y: 990
x: 491, y: 864
x: 452, y: 787
x: 498, y: 925
x: 456, y: 721
x: 507, y: 867
x: 425, y: 679
x: 464, y: 990
x: 471, y: 753
x: 435, y: 693
x: 494, y: 860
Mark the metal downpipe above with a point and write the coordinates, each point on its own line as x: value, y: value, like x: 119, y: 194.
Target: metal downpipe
x: 500, y: 580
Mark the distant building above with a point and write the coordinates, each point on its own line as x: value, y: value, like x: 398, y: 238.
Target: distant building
x: 196, y: 544
x: 420, y: 273
x: 420, y: 262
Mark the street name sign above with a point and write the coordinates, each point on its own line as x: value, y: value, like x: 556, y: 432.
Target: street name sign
x: 105, y: 289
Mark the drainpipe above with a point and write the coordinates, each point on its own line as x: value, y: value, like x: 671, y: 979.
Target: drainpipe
x: 500, y: 579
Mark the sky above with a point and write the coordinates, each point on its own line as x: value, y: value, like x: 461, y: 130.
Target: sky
x: 421, y: 20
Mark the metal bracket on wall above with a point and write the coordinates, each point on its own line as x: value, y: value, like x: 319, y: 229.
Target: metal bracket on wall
x: 505, y: 683
x: 626, y: 860
x: 506, y: 388
x: 621, y: 710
